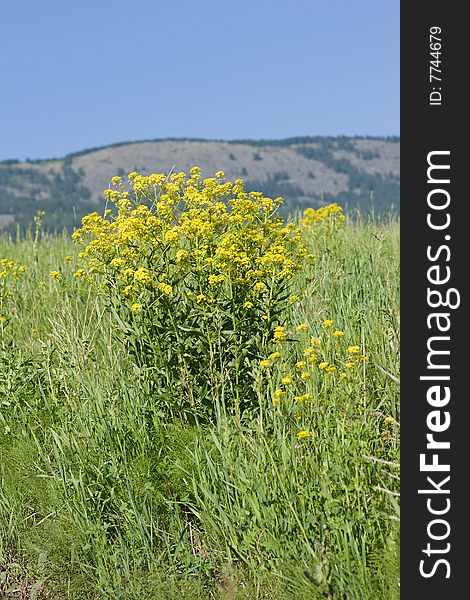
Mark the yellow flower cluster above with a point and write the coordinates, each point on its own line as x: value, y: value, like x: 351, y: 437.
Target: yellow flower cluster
x: 9, y: 273
x: 279, y: 334
x: 388, y: 423
x: 331, y: 215
x: 8, y: 268
x: 326, y: 361
x: 182, y: 231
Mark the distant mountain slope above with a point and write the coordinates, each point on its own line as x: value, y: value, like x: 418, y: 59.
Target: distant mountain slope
x: 309, y: 171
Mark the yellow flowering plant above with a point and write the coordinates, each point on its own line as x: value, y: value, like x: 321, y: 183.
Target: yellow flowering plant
x: 210, y: 267
x: 302, y: 382
x: 10, y: 271
x: 323, y: 223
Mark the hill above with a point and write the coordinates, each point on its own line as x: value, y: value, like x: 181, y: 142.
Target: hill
x: 306, y: 171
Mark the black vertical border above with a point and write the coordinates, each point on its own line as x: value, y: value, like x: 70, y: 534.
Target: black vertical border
x: 424, y: 129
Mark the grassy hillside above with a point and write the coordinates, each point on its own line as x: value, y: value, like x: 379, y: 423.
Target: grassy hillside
x: 356, y: 172
x: 119, y: 482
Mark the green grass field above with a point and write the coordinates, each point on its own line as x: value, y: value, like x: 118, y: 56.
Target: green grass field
x: 105, y: 492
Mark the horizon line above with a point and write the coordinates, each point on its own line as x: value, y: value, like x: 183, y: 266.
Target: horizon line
x: 260, y: 141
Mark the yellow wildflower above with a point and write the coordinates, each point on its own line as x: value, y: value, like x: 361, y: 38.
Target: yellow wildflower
x: 303, y: 435
x: 136, y: 307
x: 165, y: 289
x: 301, y: 364
x: 118, y: 262
x: 171, y: 236
x: 338, y: 333
x: 328, y: 323
x: 353, y: 349
x: 55, y: 275
x: 265, y: 363
x: 302, y: 327
x: 111, y: 195
x: 182, y: 255
x: 286, y: 380
x: 329, y: 218
x: 142, y: 275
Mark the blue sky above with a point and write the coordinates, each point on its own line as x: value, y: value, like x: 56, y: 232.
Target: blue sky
x: 76, y: 75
